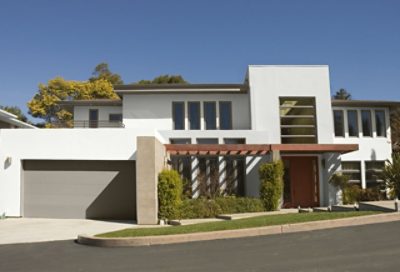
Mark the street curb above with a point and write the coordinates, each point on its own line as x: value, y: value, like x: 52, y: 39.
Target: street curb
x: 226, y: 234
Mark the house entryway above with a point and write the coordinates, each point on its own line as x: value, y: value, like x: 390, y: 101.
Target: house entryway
x: 301, y: 186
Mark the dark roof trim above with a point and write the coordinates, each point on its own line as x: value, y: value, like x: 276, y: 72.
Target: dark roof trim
x: 179, y: 88
x: 94, y: 102
x: 366, y: 103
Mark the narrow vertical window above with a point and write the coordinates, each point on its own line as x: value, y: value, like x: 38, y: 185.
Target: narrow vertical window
x: 352, y: 119
x: 93, y: 118
x: 339, y: 123
x: 178, y: 115
x: 366, y: 123
x: 194, y: 115
x: 225, y: 115
x: 210, y: 115
x: 380, y: 123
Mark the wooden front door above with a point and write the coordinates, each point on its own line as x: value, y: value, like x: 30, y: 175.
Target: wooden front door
x: 301, y: 182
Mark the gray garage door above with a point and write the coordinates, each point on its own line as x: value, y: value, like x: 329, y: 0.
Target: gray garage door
x: 79, y: 189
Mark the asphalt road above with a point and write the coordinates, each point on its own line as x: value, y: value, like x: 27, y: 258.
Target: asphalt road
x: 363, y: 248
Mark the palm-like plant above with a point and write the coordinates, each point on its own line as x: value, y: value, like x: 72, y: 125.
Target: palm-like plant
x: 391, y: 175
x: 342, y: 94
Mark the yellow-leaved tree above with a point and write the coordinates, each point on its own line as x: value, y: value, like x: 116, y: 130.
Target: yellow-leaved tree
x: 45, y: 105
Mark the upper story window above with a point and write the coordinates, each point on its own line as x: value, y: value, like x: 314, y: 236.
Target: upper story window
x: 380, y: 123
x: 298, y: 120
x: 225, y: 115
x: 180, y: 141
x: 115, y: 117
x: 338, y: 120
x: 93, y: 118
x: 194, y: 115
x: 210, y: 115
x: 352, y: 123
x: 178, y: 115
x: 366, y: 123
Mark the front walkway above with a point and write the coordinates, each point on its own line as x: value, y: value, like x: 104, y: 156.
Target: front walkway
x: 30, y: 230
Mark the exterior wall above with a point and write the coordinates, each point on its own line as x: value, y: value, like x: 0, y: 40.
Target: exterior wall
x: 155, y: 110
x: 58, y: 144
x: 268, y: 83
x: 82, y: 112
x: 370, y: 148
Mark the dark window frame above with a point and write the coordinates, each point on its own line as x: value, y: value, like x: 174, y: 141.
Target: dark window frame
x: 343, y: 133
x: 370, y: 123
x: 220, y: 115
x: 214, y: 103
x: 174, y: 115
x: 384, y: 123
x: 119, y: 119
x: 189, y: 115
x: 357, y: 126
x: 94, y: 123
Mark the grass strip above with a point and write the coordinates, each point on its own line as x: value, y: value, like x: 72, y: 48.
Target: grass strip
x: 259, y: 221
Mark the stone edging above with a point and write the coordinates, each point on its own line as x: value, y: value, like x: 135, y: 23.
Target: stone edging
x: 226, y: 234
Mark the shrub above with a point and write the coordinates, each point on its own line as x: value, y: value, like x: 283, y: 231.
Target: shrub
x: 371, y: 194
x: 207, y: 208
x: 351, y: 194
x: 391, y: 175
x: 169, y: 194
x: 232, y: 204
x: 199, y: 208
x: 271, y: 188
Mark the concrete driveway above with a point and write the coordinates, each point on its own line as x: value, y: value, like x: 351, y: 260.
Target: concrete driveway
x: 30, y: 230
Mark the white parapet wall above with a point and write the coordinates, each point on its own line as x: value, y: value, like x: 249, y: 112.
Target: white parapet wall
x: 58, y: 144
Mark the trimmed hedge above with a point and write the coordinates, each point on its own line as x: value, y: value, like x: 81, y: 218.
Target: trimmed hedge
x: 169, y: 194
x: 208, y: 208
x: 271, y: 187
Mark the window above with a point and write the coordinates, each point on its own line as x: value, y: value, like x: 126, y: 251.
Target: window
x: 366, y: 123
x: 115, y: 117
x: 210, y: 115
x: 180, y: 141
x: 373, y: 170
x: 178, y: 115
x: 352, y: 120
x: 235, y: 171
x: 207, y: 140
x: 352, y: 169
x: 93, y: 118
x: 380, y: 123
x: 298, y: 120
x: 234, y: 140
x: 194, y: 115
x: 225, y: 115
x: 338, y: 119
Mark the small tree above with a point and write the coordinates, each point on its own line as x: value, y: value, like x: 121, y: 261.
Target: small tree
x: 169, y: 194
x: 271, y: 188
x: 391, y: 175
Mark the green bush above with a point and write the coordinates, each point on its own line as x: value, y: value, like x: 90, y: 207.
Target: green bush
x: 208, y: 208
x: 232, y: 204
x: 271, y: 188
x: 199, y: 208
x: 391, y: 175
x: 351, y: 194
x: 169, y: 194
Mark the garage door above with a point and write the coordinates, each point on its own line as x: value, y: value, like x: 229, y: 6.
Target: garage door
x: 79, y: 189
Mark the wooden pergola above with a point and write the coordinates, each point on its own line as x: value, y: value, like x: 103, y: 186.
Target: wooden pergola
x: 256, y: 149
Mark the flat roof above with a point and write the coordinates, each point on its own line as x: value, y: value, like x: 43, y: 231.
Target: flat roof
x: 365, y: 103
x: 181, y: 88
x: 93, y: 102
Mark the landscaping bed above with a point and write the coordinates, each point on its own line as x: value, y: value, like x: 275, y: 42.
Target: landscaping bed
x: 260, y: 221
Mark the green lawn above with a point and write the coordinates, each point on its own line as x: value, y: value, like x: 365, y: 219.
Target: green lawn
x: 260, y: 221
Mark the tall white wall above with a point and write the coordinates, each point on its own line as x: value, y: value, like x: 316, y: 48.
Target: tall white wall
x: 82, y: 112
x: 268, y: 83
x: 58, y: 144
x: 155, y: 110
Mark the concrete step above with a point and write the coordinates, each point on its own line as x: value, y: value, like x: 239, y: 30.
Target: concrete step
x: 321, y: 209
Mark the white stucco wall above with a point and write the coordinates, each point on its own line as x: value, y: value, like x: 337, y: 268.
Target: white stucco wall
x: 58, y: 144
x: 155, y: 110
x: 82, y: 112
x: 268, y: 83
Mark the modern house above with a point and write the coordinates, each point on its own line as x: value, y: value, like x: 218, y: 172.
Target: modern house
x: 9, y: 120
x: 215, y: 135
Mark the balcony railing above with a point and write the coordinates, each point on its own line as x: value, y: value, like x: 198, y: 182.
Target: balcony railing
x: 98, y: 124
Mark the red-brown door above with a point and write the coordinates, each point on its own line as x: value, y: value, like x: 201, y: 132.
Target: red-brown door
x: 301, y: 181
